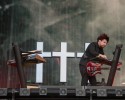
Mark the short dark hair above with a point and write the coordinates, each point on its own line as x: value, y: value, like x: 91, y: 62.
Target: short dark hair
x: 103, y: 36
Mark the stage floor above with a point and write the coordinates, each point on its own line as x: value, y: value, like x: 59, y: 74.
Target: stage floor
x: 65, y: 92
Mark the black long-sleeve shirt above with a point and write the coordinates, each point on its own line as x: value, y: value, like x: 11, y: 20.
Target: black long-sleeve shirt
x: 92, y: 51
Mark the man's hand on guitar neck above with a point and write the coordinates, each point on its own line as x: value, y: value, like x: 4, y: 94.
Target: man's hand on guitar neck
x: 102, y: 56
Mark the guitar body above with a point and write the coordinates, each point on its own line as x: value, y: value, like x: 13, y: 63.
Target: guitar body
x: 93, y: 68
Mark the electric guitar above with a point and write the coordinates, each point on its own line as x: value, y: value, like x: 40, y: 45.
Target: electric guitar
x: 94, y: 68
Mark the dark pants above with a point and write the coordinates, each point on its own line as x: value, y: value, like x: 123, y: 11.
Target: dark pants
x: 86, y: 77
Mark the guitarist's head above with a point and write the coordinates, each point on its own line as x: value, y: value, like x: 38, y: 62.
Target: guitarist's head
x: 102, y: 40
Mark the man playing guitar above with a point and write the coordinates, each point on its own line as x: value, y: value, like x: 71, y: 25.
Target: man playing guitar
x: 94, y: 50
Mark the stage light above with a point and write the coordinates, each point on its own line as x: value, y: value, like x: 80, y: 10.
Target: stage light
x: 101, y: 92
x: 80, y: 92
x: 118, y: 92
x: 94, y: 92
x: 63, y: 91
x: 3, y: 91
x: 43, y: 91
x: 24, y: 92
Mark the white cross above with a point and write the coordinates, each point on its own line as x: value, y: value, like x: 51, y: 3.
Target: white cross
x: 39, y: 67
x: 80, y: 54
x: 63, y: 60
